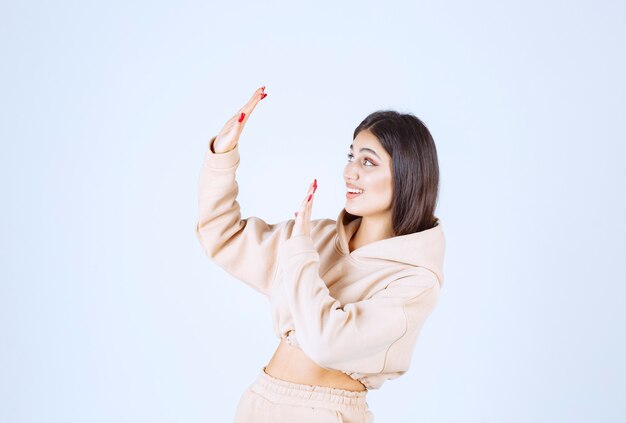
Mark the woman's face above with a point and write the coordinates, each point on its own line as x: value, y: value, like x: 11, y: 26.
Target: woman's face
x: 368, y: 169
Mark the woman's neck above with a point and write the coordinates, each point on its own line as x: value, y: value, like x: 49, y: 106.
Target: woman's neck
x: 371, y: 229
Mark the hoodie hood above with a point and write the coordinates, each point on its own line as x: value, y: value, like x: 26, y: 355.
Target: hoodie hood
x: 424, y: 249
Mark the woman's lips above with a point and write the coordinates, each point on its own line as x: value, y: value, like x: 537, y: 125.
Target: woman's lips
x: 350, y: 195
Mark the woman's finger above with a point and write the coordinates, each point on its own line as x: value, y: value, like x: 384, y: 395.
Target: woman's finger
x: 305, y: 201
x: 255, y: 96
x: 307, y: 214
x: 248, y: 108
x: 309, y: 192
x: 306, y: 207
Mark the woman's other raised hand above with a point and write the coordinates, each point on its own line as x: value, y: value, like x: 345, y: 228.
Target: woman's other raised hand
x: 228, y: 137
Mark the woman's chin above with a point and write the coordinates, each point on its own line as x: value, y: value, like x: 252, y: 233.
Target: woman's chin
x: 351, y: 209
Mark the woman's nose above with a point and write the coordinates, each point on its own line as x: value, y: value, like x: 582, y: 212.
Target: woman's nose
x: 351, y: 176
x: 349, y: 172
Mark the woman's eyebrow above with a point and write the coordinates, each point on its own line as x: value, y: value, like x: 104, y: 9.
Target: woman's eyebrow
x: 367, y: 149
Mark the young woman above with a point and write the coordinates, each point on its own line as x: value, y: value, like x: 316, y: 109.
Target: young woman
x: 349, y: 296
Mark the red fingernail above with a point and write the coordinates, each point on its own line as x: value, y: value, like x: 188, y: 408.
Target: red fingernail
x: 263, y: 96
x: 263, y: 88
x: 309, y: 199
x: 241, y: 117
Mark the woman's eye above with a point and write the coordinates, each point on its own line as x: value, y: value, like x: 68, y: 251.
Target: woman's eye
x: 350, y: 156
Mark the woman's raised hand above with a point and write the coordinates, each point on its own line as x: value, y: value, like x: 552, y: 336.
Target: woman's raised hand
x: 228, y: 137
x: 302, y: 224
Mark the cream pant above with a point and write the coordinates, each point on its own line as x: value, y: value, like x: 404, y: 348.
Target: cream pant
x: 271, y: 400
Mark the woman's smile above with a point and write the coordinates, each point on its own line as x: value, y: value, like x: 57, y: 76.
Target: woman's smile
x: 353, y: 191
x: 350, y: 195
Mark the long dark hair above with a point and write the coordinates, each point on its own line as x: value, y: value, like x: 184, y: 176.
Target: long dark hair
x: 415, y: 168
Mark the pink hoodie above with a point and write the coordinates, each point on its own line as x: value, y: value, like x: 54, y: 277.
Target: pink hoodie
x: 359, y: 312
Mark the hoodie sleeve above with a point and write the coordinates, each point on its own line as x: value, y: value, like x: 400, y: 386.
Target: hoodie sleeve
x: 245, y: 248
x: 355, y: 337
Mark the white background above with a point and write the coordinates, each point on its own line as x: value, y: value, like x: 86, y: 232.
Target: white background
x: 111, y: 312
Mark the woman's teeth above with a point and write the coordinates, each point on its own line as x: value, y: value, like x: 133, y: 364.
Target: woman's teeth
x: 355, y: 191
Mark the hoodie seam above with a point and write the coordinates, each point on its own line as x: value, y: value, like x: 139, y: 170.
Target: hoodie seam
x: 434, y: 274
x: 272, y: 282
x: 406, y: 323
